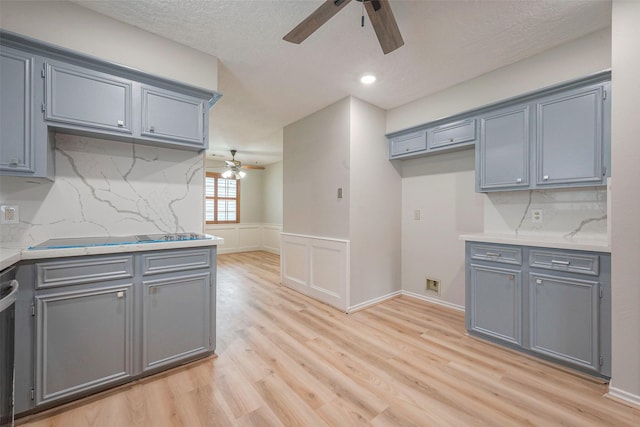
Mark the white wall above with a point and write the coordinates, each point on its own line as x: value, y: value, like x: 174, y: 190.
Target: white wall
x: 374, y: 208
x: 315, y: 165
x: 74, y: 27
x: 442, y: 187
x: 625, y: 203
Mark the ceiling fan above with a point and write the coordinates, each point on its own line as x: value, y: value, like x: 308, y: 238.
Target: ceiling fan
x: 234, y: 166
x: 379, y: 12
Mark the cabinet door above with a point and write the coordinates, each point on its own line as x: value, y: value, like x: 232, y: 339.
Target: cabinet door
x: 84, y: 341
x: 496, y: 302
x: 407, y: 144
x: 456, y: 133
x: 503, y: 152
x: 175, y: 319
x: 16, y: 111
x: 172, y: 116
x: 564, y: 319
x: 570, y: 138
x: 87, y: 99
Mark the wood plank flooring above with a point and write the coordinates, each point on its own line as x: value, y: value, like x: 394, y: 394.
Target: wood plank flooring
x: 287, y: 360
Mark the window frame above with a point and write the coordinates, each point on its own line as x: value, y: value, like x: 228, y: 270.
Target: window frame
x: 216, y: 176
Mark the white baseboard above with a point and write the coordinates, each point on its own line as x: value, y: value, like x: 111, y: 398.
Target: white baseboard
x: 624, y: 396
x: 434, y: 300
x: 372, y: 302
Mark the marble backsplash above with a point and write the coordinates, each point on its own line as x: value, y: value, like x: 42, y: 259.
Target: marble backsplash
x: 569, y: 214
x: 104, y: 187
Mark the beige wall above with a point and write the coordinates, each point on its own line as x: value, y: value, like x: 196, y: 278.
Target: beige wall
x: 315, y: 165
x: 74, y: 27
x: 625, y: 200
x: 374, y: 214
x: 272, y: 190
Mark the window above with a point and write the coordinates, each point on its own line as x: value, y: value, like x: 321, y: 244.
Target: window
x: 222, y: 199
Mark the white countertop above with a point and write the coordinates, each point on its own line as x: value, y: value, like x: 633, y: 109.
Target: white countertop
x: 10, y: 256
x: 556, y: 242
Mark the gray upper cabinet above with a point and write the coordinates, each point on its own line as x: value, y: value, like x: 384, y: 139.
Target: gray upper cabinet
x: 86, y: 98
x: 406, y: 144
x: 84, y: 340
x: 570, y: 137
x: 172, y: 116
x: 23, y: 148
x: 502, y: 155
x: 452, y: 134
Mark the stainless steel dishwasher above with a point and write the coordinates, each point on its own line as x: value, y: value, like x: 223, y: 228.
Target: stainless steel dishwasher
x: 8, y: 292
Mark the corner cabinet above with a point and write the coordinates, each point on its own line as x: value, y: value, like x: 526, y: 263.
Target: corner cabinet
x: 24, y: 150
x: 552, y: 303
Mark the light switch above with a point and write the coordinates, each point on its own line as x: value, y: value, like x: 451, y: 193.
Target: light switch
x: 340, y: 193
x: 416, y: 215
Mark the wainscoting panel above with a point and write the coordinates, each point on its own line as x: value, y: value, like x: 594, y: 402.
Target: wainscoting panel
x: 246, y: 237
x: 317, y: 267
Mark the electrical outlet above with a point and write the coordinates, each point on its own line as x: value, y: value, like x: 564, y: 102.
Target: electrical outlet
x: 9, y: 214
x: 536, y: 216
x: 433, y: 285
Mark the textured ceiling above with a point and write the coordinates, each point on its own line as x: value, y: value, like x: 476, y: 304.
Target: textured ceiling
x: 268, y: 83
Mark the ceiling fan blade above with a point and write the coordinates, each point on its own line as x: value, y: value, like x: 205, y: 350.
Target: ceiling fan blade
x: 315, y: 20
x: 384, y: 24
x: 252, y: 167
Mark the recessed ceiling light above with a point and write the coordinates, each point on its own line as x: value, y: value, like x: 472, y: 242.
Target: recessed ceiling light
x: 367, y: 79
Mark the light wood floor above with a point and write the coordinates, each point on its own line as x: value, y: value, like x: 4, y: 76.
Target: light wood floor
x: 286, y: 360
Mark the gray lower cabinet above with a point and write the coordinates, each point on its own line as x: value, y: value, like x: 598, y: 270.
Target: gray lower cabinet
x: 175, y: 319
x: 84, y: 340
x: 564, y: 319
x: 555, y: 303
x: 85, y: 98
x: 502, y: 154
x: 495, y: 302
x: 102, y: 320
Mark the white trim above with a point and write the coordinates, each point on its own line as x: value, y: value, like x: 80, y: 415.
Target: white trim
x: 373, y: 302
x: 434, y: 300
x: 306, y: 236
x: 624, y: 396
x: 245, y: 237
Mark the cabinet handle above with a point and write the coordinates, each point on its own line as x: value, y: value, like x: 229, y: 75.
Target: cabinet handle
x: 519, y: 180
x: 450, y: 139
x: 538, y: 281
x: 120, y: 123
x: 152, y: 128
x: 406, y: 149
x: 13, y: 163
x: 555, y: 261
x: 545, y: 178
x: 153, y: 290
x: 120, y: 294
x: 492, y: 254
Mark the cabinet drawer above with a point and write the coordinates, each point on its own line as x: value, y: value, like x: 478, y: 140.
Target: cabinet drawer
x: 405, y: 144
x: 502, y: 254
x: 453, y: 133
x: 77, y: 271
x: 563, y: 261
x: 165, y: 262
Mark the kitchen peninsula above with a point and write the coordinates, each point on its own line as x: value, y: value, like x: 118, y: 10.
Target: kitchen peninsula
x: 95, y: 315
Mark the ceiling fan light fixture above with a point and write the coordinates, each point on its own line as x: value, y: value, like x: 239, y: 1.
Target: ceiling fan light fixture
x: 367, y: 79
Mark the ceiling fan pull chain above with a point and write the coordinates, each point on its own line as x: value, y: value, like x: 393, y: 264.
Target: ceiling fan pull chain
x: 362, y: 18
